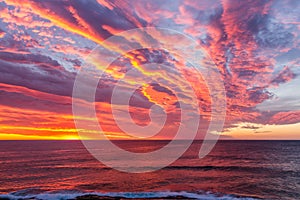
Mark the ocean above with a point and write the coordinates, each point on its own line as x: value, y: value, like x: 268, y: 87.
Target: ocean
x: 233, y: 170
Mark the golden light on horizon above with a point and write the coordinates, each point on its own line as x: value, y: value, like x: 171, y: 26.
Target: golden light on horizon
x: 252, y: 131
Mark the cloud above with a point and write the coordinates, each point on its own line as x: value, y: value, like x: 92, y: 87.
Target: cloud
x: 253, y: 43
x: 251, y: 127
x: 284, y: 76
x: 289, y: 117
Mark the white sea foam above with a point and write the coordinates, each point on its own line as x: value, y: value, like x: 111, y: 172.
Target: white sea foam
x: 67, y: 195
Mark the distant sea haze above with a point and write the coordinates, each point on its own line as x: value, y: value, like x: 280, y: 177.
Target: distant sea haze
x: 233, y: 170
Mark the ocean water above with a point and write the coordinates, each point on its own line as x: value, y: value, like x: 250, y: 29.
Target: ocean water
x: 233, y: 170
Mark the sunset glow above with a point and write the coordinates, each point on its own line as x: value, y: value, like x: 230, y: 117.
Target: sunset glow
x: 255, y: 46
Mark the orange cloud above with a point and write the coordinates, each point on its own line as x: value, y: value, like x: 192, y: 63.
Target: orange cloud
x: 56, y: 20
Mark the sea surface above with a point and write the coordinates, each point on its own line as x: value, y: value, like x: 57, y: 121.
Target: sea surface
x: 233, y: 170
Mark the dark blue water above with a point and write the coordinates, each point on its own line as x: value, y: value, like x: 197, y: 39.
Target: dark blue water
x: 233, y: 170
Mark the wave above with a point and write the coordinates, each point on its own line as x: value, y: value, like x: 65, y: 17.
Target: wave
x: 222, y: 168
x: 75, y: 195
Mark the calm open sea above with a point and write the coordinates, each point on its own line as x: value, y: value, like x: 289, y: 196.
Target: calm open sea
x: 233, y: 170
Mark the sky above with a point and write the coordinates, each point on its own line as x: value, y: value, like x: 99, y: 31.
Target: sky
x: 253, y: 43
